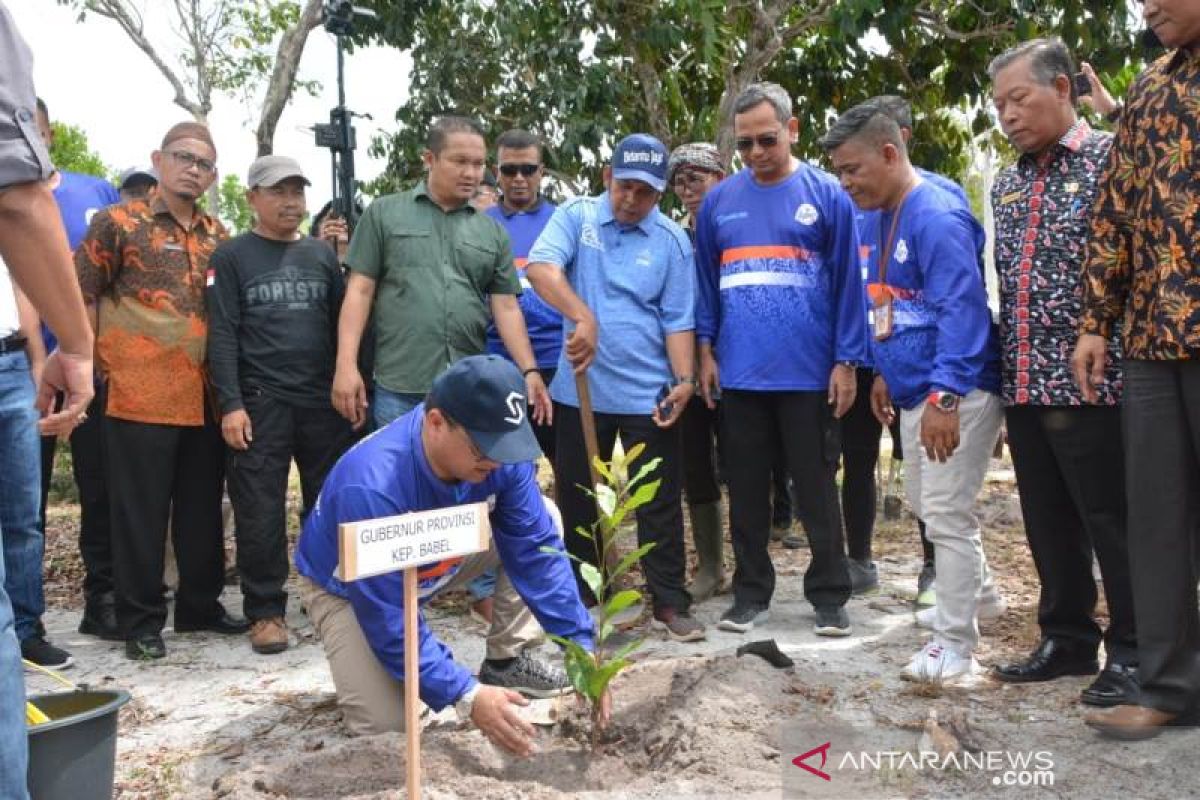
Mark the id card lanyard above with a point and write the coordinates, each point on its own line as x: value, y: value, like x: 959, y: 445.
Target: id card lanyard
x: 883, y: 303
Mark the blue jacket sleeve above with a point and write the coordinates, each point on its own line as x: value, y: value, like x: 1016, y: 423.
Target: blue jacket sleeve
x: 379, y: 608
x: 708, y: 270
x: 678, y: 311
x: 849, y: 296
x: 948, y: 243
x: 521, y: 528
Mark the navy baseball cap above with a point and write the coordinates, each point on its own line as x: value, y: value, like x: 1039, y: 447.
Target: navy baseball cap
x: 641, y: 157
x: 486, y: 395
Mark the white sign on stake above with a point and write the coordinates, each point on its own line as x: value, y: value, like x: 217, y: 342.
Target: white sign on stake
x: 377, y: 546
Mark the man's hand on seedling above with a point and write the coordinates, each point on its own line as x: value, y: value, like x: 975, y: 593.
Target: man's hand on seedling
x: 494, y: 711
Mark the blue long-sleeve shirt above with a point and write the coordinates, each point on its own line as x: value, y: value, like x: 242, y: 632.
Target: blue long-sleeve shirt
x: 943, y: 338
x: 387, y: 474
x: 779, y: 288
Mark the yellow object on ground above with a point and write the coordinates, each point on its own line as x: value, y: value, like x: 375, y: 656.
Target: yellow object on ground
x: 34, y: 715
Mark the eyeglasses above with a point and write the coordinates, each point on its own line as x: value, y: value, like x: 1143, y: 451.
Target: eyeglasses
x: 764, y: 140
x: 525, y: 170
x: 189, y: 160
x: 688, y: 180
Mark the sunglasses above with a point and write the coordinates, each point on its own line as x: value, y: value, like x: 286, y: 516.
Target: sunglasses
x: 764, y: 140
x: 189, y: 160
x: 525, y: 170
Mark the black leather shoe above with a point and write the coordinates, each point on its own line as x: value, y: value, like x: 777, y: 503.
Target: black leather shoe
x: 145, y: 648
x: 100, y: 619
x: 1116, y: 685
x: 1052, y: 659
x: 226, y: 623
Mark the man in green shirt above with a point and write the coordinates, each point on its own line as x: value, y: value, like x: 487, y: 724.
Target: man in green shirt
x: 428, y: 266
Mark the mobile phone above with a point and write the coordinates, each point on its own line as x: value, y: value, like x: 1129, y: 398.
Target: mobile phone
x: 1082, y: 84
x: 664, y: 408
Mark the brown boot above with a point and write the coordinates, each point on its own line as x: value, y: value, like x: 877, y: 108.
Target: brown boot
x: 1130, y: 723
x: 269, y: 636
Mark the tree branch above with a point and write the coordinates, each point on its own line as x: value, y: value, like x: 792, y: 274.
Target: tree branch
x: 283, y: 76
x: 131, y: 22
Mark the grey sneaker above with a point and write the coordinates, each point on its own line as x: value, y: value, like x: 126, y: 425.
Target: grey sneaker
x: 741, y: 618
x: 679, y: 625
x: 864, y: 576
x: 527, y: 675
x: 832, y: 621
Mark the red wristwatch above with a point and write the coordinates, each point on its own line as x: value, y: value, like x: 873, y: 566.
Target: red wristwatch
x: 944, y: 401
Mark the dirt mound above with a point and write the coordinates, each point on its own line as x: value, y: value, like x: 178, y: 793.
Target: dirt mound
x: 701, y: 726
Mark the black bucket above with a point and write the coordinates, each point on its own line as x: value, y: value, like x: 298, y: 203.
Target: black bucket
x: 72, y: 756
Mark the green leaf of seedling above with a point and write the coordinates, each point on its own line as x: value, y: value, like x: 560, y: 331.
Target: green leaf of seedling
x: 621, y: 601
x: 646, y: 469
x: 584, y: 532
x: 591, y: 576
x: 606, y: 499
x: 642, y: 495
x: 598, y: 681
x: 628, y: 648
x: 602, y: 469
x: 605, y: 631
x: 630, y: 557
x: 632, y: 453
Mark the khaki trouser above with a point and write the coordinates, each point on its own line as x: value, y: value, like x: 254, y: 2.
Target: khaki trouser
x: 943, y: 496
x: 371, y: 699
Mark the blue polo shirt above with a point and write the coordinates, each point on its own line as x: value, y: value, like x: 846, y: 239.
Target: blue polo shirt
x: 639, y: 282
x: 780, y: 292
x: 542, y: 320
x: 387, y: 474
x: 79, y: 197
x: 943, y: 337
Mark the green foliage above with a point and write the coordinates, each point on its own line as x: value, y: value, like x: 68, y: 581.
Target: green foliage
x: 583, y: 74
x: 70, y: 151
x: 616, y: 497
x: 233, y: 208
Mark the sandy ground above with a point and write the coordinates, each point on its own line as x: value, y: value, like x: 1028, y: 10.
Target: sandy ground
x: 692, y: 720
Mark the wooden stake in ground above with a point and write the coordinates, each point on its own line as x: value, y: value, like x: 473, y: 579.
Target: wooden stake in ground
x: 372, y: 547
x: 584, y: 391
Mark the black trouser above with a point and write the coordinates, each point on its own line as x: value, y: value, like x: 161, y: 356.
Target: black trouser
x: 751, y: 423
x: 544, y: 433
x: 860, y: 453
x: 95, y: 514
x: 49, y: 446
x: 781, y: 491
x: 1070, y: 470
x: 159, y: 473
x: 257, y: 482
x: 898, y: 454
x: 659, y: 521
x: 1160, y: 419
x: 698, y: 426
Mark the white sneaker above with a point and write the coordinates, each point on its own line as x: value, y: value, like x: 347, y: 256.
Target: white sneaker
x: 939, y: 664
x: 990, y: 609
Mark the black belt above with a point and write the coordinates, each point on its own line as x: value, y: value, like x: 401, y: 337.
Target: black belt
x: 12, y: 344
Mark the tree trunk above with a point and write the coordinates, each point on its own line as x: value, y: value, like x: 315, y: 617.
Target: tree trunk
x: 283, y: 76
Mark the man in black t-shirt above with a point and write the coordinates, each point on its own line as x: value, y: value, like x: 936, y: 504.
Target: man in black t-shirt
x: 273, y: 299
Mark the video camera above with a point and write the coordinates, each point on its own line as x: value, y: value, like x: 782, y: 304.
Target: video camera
x: 338, y: 134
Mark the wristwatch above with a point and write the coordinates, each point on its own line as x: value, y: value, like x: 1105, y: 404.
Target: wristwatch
x: 464, y: 704
x: 686, y: 379
x: 850, y: 364
x: 944, y: 401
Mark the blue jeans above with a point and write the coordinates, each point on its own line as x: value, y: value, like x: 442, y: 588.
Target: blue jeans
x: 391, y: 405
x: 14, y: 742
x: 20, y: 494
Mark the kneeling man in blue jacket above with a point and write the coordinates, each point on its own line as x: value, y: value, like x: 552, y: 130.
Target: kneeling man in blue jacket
x: 470, y: 441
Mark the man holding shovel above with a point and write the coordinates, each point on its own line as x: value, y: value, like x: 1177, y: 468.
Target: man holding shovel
x: 623, y: 277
